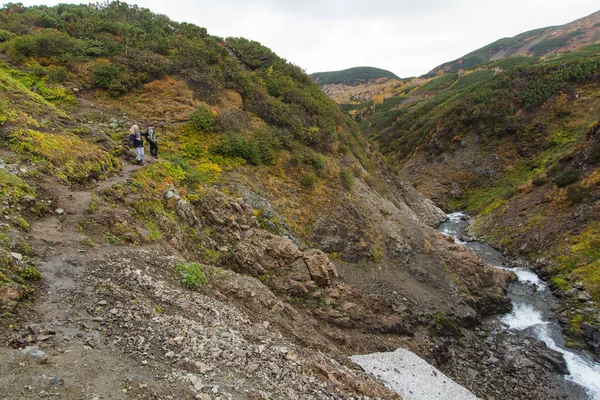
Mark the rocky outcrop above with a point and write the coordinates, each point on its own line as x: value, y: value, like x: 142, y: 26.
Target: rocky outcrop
x: 9, y: 297
x: 266, y: 254
x: 482, y: 287
x: 592, y: 335
x: 321, y: 270
x: 423, y: 207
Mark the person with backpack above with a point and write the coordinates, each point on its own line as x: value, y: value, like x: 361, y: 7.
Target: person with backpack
x: 151, y: 135
x: 138, y: 143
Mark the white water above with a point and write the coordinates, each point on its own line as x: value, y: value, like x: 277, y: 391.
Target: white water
x: 532, y: 313
x: 584, y: 372
x: 522, y: 317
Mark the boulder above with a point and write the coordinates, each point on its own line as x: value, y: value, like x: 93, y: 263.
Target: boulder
x: 9, y: 297
x: 571, y: 292
x: 584, y: 297
x: 185, y: 211
x: 321, y: 270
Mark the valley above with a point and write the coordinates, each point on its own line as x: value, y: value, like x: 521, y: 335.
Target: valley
x: 276, y: 234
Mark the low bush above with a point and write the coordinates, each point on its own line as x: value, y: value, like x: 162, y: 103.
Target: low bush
x: 575, y: 194
x: 47, y: 43
x: 308, y: 181
x: 539, y: 180
x: 203, y: 118
x: 567, y: 177
x: 30, y: 273
x: 260, y: 149
x: 347, y: 178
x: 114, y: 78
x: 191, y: 274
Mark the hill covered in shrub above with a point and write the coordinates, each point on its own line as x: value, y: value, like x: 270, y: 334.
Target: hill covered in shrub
x: 544, y: 42
x: 513, y: 141
x: 352, y: 76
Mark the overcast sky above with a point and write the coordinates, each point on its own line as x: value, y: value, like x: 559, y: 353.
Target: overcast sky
x: 408, y: 38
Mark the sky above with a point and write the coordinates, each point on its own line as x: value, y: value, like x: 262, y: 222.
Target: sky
x: 408, y: 38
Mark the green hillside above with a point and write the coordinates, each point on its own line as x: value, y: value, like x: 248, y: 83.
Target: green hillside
x: 516, y: 143
x: 543, y: 42
x: 74, y: 78
x: 352, y: 76
x: 509, y: 46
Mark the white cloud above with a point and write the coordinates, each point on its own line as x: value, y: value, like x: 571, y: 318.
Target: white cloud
x: 407, y: 37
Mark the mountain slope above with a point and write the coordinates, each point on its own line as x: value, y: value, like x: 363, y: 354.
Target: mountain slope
x: 513, y: 142
x: 544, y: 42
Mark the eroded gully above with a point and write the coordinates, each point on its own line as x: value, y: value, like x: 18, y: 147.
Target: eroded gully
x: 532, y: 314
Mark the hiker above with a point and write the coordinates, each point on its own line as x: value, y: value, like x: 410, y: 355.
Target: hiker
x: 151, y: 135
x: 138, y: 143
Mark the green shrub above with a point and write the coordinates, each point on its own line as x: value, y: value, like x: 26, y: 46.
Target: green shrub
x: 203, y: 118
x: 539, y: 180
x: 147, y: 64
x: 47, y: 43
x: 567, y: 177
x: 191, y: 274
x: 260, y: 149
x: 593, y: 153
x: 23, y: 224
x: 116, y: 79
x: 30, y: 273
x: 317, y: 161
x: 575, y: 194
x: 5, y: 35
x: 308, y: 181
x: 347, y: 178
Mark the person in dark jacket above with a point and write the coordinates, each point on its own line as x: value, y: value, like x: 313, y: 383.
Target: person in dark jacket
x: 151, y: 135
x: 138, y: 143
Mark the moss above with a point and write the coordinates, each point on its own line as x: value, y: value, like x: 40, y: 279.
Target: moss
x: 23, y: 224
x: 30, y: 273
x: 13, y: 188
x: 71, y: 158
x: 581, y: 257
x: 444, y: 325
x: 377, y: 254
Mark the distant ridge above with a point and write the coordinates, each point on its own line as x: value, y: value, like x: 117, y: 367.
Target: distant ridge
x: 352, y: 76
x: 543, y: 42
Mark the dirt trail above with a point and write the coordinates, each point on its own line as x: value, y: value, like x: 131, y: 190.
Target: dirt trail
x: 73, y: 361
x: 113, y: 322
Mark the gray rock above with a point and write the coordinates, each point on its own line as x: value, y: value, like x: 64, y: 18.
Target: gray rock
x: 46, y: 380
x: 17, y: 256
x: 195, y: 381
x: 578, y: 286
x: 59, y: 211
x: 584, y: 297
x: 34, y: 352
x: 571, y: 292
x: 185, y: 211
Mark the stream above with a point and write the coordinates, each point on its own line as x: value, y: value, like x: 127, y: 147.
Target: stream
x: 532, y: 313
